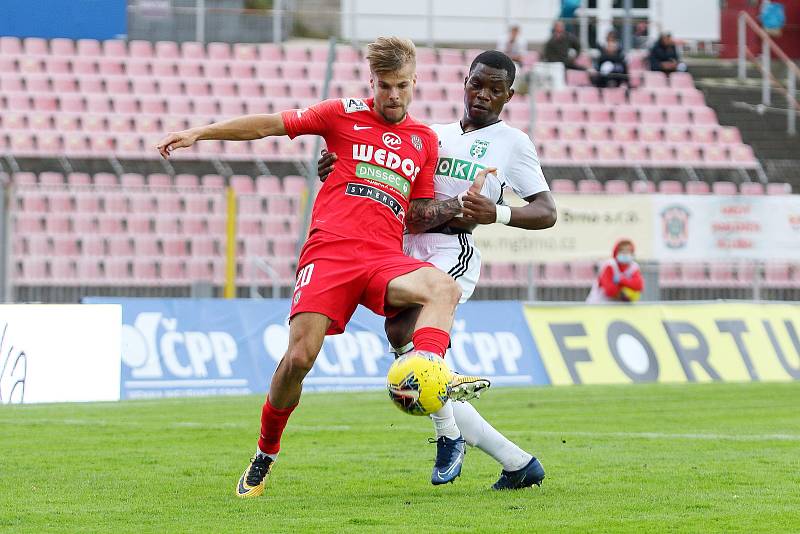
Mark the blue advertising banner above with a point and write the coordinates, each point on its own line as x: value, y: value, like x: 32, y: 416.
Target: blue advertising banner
x: 186, y: 347
x: 73, y: 19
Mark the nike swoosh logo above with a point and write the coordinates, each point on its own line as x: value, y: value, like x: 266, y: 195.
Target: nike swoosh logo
x: 356, y: 127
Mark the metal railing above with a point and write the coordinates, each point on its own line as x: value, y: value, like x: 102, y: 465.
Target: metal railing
x: 768, y: 47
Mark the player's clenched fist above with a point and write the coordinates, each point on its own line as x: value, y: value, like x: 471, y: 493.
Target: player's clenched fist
x: 183, y: 139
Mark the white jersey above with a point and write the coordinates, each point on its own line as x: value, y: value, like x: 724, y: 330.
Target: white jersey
x: 461, y: 156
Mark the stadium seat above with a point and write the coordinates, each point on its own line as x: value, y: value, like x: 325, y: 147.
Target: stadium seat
x: 616, y: 187
x: 115, y: 48
x: 670, y: 187
x: 696, y: 187
x: 751, y: 188
x: 722, y: 187
x: 643, y: 187
x: 560, y: 185
x: 779, y: 189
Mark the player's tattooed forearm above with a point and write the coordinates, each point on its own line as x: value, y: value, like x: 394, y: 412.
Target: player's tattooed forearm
x: 426, y: 213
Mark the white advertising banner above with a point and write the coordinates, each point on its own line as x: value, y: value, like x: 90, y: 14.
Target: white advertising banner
x: 59, y: 353
x: 694, y: 227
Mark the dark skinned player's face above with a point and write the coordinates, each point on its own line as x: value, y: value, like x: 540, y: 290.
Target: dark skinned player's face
x: 486, y: 91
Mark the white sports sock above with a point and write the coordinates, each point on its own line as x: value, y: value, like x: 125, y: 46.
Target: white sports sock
x: 408, y: 347
x: 479, y: 433
x: 444, y: 422
x: 259, y: 452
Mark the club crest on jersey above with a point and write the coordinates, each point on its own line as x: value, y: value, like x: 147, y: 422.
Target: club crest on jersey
x: 351, y: 105
x: 479, y: 148
x: 417, y: 142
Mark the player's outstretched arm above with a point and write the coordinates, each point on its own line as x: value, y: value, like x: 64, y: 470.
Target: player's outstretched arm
x: 539, y: 212
x: 244, y: 128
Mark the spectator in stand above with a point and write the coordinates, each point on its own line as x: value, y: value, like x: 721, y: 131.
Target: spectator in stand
x: 620, y: 279
x: 611, y: 65
x: 773, y: 17
x: 563, y: 47
x: 664, y: 55
x: 514, y: 46
x: 640, y: 35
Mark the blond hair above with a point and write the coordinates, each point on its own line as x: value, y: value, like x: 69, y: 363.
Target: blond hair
x: 389, y: 54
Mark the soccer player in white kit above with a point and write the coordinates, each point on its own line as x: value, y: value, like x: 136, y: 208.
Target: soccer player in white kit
x: 479, y: 140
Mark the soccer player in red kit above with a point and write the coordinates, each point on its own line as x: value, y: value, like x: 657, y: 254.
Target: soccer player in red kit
x: 354, y: 252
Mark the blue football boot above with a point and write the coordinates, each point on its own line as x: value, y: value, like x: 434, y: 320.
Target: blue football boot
x: 449, y: 457
x: 531, y: 474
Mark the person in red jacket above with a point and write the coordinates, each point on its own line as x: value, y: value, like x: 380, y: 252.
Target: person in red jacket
x: 620, y: 279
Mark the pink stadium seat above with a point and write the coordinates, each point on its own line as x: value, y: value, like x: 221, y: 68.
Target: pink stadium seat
x: 714, y: 154
x: 561, y: 185
x: 590, y: 187
x: 681, y: 80
x: 724, y: 188
x: 192, y: 50
x: 743, y: 154
x: 697, y: 187
x: 616, y: 187
x: 140, y: 49
x: 145, y: 86
x: 45, y: 102
x: 132, y: 180
x: 678, y: 115
x: 704, y: 115
x: 78, y: 179
x: 14, y: 121
x: 654, y: 79
x: 751, y: 188
x: 582, y: 152
x: 242, y: 70
x: 115, y: 48
x: 348, y: 54
x: 294, y: 185
x: 651, y: 115
x: 10, y: 46
x: 626, y: 114
x: 728, y: 134
x: 779, y: 189
x: 694, y: 274
x: 62, y: 47
x: 688, y: 154
x: 86, y: 202
x: 722, y: 275
x: 167, y: 50
x: 98, y: 104
x: 778, y: 274
x: 215, y: 69
x: 93, y: 245
x: 268, y: 185
x: 89, y: 48
x: 105, y: 179
x: 110, y: 67
x: 220, y: 51
x: 643, y: 187
x: 693, y: 98
x: 663, y: 154
x: 641, y: 97
x: 649, y: 133
x: 37, y: 84
x: 577, y: 77
x: 677, y: 134
x: 35, y: 46
x: 666, y: 98
x: 609, y: 153
x: 8, y: 65
x: 213, y: 181
x: 189, y: 181
x: 138, y: 67
x: 670, y: 187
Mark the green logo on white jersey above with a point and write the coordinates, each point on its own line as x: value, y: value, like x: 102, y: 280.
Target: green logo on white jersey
x: 458, y: 168
x: 479, y: 148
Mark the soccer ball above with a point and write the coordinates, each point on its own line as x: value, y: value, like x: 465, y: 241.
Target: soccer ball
x: 419, y: 383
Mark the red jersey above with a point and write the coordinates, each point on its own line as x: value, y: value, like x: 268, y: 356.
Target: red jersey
x: 381, y: 167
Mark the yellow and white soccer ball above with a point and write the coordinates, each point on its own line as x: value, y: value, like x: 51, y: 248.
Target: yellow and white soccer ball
x: 419, y: 382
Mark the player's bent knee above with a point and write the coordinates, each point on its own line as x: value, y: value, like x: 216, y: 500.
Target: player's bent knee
x: 442, y: 289
x: 300, y: 361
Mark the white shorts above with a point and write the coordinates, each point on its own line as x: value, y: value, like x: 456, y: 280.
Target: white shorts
x: 454, y: 254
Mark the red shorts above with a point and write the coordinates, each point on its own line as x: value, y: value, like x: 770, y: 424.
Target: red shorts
x: 336, y: 274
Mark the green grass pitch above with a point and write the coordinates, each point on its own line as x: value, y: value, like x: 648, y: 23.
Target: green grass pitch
x: 654, y: 458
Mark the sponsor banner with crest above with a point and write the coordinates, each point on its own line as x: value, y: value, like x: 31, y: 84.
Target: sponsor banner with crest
x: 187, y: 347
x: 694, y: 227
x: 663, y: 227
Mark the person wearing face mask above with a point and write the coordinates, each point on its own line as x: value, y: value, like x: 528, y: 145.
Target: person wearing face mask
x: 620, y: 279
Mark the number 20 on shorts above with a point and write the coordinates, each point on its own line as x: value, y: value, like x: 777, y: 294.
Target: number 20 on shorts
x: 304, y: 276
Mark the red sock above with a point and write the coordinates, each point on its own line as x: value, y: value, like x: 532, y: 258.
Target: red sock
x: 431, y: 339
x: 273, y: 421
